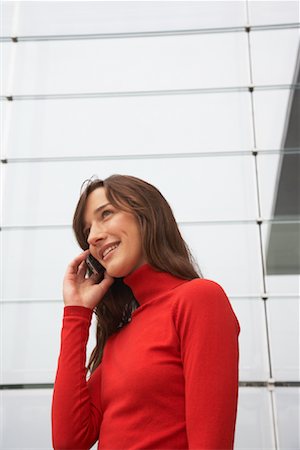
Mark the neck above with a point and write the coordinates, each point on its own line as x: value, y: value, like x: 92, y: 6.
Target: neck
x: 148, y: 283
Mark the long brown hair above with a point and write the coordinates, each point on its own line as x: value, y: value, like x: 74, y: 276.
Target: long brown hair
x: 163, y: 247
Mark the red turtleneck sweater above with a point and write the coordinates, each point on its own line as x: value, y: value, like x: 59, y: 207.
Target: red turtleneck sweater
x: 168, y: 379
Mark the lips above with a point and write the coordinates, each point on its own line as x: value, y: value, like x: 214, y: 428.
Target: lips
x: 108, y: 248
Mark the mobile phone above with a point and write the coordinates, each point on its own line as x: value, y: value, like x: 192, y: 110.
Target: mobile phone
x: 94, y: 266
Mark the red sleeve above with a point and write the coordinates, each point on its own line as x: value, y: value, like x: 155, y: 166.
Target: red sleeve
x: 208, y: 332
x: 76, y: 414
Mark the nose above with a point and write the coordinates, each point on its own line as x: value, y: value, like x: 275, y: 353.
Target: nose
x: 96, y: 234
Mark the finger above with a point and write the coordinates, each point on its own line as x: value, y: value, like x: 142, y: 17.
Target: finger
x: 94, y: 278
x: 82, y: 270
x: 73, y: 265
x: 97, y: 277
x: 101, y: 286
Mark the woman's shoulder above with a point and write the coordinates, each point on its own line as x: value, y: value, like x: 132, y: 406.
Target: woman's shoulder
x: 203, y: 298
x: 200, y: 287
x: 199, y: 294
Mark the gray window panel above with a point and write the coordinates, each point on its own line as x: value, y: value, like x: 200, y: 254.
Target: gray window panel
x: 283, y: 251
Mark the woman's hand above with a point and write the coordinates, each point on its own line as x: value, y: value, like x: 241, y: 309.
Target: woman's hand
x: 81, y: 291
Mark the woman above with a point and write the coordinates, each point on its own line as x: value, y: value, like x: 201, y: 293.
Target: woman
x: 164, y: 372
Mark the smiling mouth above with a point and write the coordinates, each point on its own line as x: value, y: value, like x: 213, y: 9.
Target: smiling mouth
x: 108, y: 250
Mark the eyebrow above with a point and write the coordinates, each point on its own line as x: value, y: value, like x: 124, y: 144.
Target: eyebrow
x: 96, y: 211
x: 100, y: 207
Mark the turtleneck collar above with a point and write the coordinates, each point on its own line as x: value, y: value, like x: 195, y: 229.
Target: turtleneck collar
x: 147, y: 283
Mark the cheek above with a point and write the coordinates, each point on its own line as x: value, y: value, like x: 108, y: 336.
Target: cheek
x: 138, y: 243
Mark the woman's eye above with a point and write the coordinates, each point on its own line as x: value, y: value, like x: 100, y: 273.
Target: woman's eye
x: 106, y: 213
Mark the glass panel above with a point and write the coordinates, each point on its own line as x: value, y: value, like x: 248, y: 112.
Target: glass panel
x: 280, y: 240
x: 254, y: 421
x: 287, y: 402
x: 26, y: 422
x: 284, y: 337
x: 253, y: 363
x: 198, y: 189
x: 158, y: 63
x: 273, y: 12
x: 271, y: 108
x: 268, y: 177
x: 34, y: 18
x: 284, y: 283
x: 274, y: 55
x: 30, y: 336
x: 126, y: 126
x: 228, y: 254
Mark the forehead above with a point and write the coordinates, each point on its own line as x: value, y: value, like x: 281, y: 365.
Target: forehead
x: 95, y: 199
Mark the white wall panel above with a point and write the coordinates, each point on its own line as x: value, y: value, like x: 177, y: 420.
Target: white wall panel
x: 283, y: 285
x: 32, y: 357
x: 274, y: 54
x: 26, y: 419
x: 264, y: 12
x: 287, y: 406
x: 31, y: 409
x: 83, y: 17
x: 254, y: 420
x: 198, y: 189
x: 253, y: 362
x: 39, y: 259
x: 228, y: 254
x: 270, y: 108
x: 284, y: 334
x: 170, y: 62
x: 135, y: 125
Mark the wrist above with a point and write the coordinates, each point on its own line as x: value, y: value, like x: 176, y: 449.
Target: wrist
x: 78, y: 310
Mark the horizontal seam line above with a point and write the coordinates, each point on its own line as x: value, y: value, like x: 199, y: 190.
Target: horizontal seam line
x: 258, y: 221
x: 187, y: 155
x: 27, y: 386
x: 150, y: 93
x: 159, y: 33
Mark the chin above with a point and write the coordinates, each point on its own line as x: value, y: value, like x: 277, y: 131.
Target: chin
x: 119, y: 270
x: 115, y: 274
x: 116, y: 271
